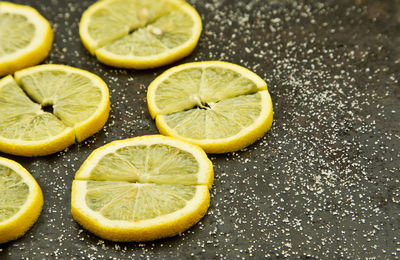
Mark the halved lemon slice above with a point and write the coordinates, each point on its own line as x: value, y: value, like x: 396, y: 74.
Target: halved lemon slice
x: 46, y: 107
x: 219, y: 106
x: 21, y: 200
x: 140, y: 34
x: 25, y: 37
x: 143, y: 188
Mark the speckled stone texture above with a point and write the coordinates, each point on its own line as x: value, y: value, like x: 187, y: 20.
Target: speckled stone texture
x: 323, y: 183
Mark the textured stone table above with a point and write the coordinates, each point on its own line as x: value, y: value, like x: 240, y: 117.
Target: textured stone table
x: 323, y: 183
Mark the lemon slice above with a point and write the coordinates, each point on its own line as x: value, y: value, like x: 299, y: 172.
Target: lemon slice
x: 21, y: 200
x: 142, y: 189
x: 46, y: 107
x: 219, y: 106
x: 25, y: 37
x: 140, y: 34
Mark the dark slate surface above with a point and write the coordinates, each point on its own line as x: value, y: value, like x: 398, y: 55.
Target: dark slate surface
x: 323, y: 183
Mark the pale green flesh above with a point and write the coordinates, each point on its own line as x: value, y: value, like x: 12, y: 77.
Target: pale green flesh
x: 22, y: 119
x: 135, y: 201
x: 139, y: 28
x: 13, y: 193
x: 118, y: 18
x: 197, y: 87
x: 167, y: 32
x: 142, y: 182
x: 16, y: 33
x: 160, y: 163
x: 74, y: 97
x: 221, y: 120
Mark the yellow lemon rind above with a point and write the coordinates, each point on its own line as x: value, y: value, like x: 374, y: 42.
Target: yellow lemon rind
x: 21, y: 222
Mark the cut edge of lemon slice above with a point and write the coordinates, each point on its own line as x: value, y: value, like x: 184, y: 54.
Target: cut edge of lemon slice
x: 236, y: 142
x: 138, y: 62
x: 145, y: 230
x: 154, y: 110
x: 205, y: 165
x: 16, y: 226
x: 39, y: 47
x: 38, y: 148
x: 94, y: 123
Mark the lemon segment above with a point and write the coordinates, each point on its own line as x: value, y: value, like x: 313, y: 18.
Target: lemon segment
x: 79, y: 101
x: 140, y: 34
x: 219, y: 106
x: 25, y: 37
x: 21, y: 200
x: 225, y: 126
x: 142, y: 188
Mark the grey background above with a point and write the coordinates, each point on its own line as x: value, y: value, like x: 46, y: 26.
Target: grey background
x: 322, y: 183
